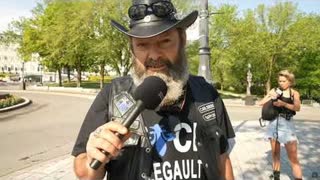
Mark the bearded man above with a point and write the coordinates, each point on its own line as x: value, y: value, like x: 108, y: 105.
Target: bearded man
x: 185, y: 137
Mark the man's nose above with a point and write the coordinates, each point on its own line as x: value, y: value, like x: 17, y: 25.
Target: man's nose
x: 154, y: 53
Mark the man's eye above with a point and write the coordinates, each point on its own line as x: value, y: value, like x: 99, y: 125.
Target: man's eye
x: 141, y: 44
x: 166, y: 41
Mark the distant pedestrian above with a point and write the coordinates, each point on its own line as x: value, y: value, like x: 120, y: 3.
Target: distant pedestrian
x: 281, y: 129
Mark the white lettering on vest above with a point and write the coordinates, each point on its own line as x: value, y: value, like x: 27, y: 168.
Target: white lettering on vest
x: 157, y: 170
x: 177, y: 171
x: 176, y: 141
x: 167, y: 172
x: 186, y: 170
x: 195, y: 149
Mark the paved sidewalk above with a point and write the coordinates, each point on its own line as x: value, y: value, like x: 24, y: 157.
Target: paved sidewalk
x: 251, y: 156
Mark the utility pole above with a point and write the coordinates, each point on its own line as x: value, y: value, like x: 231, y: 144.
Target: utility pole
x: 22, y: 77
x: 204, y: 49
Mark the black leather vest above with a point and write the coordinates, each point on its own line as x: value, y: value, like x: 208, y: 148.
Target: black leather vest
x: 135, y: 161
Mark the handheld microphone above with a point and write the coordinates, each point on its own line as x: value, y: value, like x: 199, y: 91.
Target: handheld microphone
x: 148, y: 95
x: 279, y: 93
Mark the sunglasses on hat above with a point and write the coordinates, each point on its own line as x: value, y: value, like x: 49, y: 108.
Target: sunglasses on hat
x: 160, y: 9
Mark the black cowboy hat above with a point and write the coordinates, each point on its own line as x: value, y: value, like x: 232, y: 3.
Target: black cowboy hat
x: 149, y: 18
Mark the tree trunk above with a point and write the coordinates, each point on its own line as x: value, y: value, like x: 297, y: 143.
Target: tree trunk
x: 268, y: 83
x: 68, y: 72
x: 102, y: 75
x: 222, y: 84
x: 79, y: 77
x: 79, y: 70
x: 60, y: 77
x: 309, y: 93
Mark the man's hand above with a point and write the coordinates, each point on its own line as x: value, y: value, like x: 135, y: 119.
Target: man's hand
x: 105, y: 138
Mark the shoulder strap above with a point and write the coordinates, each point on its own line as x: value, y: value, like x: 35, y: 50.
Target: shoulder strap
x: 291, y: 94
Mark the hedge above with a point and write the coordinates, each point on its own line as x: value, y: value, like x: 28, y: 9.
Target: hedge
x: 10, y: 101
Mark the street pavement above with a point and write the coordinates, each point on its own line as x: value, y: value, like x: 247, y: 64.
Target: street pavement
x: 251, y: 155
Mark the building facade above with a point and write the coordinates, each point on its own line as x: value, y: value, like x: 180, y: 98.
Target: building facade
x: 15, y: 69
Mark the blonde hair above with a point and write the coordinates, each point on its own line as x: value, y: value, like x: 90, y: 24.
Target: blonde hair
x: 287, y: 74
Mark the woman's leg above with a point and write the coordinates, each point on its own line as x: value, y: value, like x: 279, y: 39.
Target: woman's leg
x: 275, y: 149
x: 292, y: 152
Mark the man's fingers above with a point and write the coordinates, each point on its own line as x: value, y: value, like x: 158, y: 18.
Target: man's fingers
x: 106, y: 138
x: 95, y: 153
x: 111, y: 138
x: 115, y: 127
x: 105, y: 145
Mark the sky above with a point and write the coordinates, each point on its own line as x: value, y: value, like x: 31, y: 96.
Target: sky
x: 14, y: 9
x: 308, y: 6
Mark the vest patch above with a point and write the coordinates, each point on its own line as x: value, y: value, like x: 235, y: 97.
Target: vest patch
x: 206, y: 107
x: 209, y: 116
x: 208, y: 111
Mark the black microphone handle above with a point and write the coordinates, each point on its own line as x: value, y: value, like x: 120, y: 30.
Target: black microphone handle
x: 138, y: 108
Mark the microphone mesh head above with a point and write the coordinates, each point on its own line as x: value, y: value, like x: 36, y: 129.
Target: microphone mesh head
x: 151, y: 92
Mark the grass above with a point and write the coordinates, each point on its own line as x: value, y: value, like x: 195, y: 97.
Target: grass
x: 84, y: 84
x: 229, y: 96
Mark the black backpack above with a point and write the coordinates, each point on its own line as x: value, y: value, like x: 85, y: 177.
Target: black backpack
x: 269, y: 111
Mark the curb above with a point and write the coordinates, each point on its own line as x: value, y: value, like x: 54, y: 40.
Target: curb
x: 80, y: 95
x: 17, y: 106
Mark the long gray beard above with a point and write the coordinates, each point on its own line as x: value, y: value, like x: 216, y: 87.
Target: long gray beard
x: 177, y: 79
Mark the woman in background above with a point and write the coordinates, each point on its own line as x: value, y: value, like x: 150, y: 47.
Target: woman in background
x: 281, y: 130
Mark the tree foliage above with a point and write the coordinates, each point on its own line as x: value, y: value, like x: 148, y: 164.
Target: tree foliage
x: 76, y: 34
x: 270, y: 38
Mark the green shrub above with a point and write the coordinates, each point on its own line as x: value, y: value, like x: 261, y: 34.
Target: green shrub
x: 107, y: 79
x: 93, y: 83
x: 10, y: 101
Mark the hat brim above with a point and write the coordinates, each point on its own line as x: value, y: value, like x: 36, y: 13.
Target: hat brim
x: 157, y: 28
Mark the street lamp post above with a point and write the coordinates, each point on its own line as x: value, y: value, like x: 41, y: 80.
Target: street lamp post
x: 22, y: 77
x: 204, y: 49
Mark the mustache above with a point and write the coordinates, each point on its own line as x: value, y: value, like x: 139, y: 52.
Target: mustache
x: 157, y: 63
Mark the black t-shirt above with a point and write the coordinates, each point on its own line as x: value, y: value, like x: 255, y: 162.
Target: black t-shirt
x: 172, y: 134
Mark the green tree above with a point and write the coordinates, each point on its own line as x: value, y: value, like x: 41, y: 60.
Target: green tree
x: 107, y: 45
x: 274, y: 25
x: 221, y: 37
x: 306, y: 52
